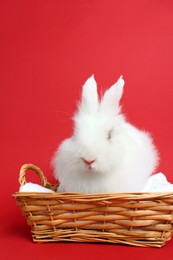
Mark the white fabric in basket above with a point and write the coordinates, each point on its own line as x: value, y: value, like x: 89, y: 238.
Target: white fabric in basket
x: 32, y: 187
x: 158, y: 183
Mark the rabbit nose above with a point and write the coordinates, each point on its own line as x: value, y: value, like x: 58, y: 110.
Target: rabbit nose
x: 88, y: 162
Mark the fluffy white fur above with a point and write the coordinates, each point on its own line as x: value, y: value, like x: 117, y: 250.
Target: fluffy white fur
x: 123, y: 156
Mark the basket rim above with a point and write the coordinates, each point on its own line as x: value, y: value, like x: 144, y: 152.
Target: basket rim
x: 97, y: 196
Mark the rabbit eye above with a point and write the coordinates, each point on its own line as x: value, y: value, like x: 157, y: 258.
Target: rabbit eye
x: 109, y: 136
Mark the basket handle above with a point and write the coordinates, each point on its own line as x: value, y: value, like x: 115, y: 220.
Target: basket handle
x: 38, y: 171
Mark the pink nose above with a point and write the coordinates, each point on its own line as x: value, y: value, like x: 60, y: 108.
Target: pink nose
x: 88, y: 162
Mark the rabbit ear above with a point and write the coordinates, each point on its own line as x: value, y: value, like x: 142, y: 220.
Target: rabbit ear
x: 89, y: 102
x: 112, y: 97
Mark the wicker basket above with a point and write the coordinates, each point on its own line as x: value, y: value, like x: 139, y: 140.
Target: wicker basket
x: 138, y: 219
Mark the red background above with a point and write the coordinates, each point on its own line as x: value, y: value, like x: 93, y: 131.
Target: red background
x: 48, y: 49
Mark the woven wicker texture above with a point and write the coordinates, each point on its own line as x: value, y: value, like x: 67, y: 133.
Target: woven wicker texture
x: 139, y: 219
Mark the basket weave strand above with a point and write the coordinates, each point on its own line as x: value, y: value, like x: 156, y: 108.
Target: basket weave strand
x: 139, y: 219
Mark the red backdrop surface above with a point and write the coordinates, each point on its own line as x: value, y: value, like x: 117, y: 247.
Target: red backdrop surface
x: 47, y: 50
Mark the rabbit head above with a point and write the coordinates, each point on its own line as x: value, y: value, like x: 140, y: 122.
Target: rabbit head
x: 96, y: 123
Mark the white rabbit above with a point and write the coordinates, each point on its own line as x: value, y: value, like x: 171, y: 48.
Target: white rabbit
x: 105, y: 153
